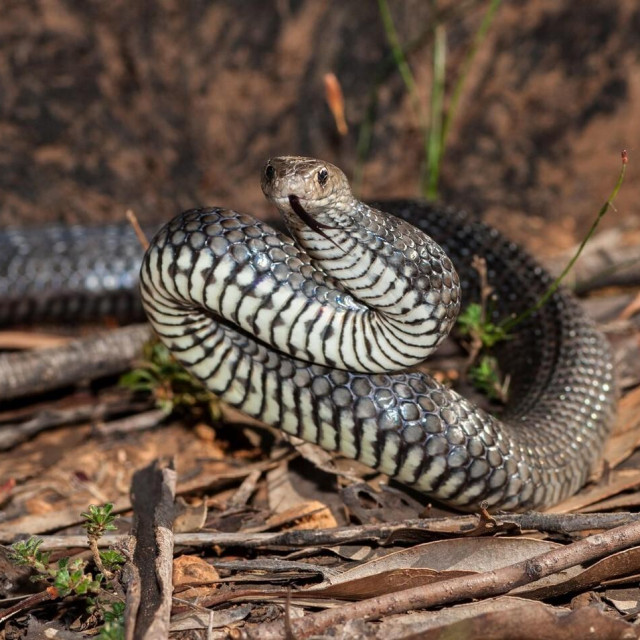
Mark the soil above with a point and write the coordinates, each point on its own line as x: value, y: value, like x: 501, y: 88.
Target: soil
x: 158, y: 107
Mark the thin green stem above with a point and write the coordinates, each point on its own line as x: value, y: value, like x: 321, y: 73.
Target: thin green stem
x: 365, y: 135
x: 398, y: 55
x: 434, y: 140
x: 478, y: 39
x: 400, y: 60
x: 510, y: 324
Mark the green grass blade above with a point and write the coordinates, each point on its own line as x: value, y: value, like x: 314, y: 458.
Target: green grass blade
x: 398, y: 54
x: 434, y: 140
x: 404, y: 69
x: 478, y: 39
x: 510, y: 324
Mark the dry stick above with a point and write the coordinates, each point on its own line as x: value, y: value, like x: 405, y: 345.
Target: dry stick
x: 88, y: 358
x: 479, y: 264
x: 141, y: 235
x: 136, y: 422
x: 102, y: 354
x: 482, y: 585
x: 631, y: 309
x: 245, y: 490
x: 12, y: 434
x: 380, y: 533
x: 151, y: 550
x: 50, y: 593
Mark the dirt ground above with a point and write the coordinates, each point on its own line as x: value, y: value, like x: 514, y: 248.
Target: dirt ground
x: 163, y: 106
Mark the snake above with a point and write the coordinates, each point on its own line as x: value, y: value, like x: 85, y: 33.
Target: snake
x: 319, y: 333
x: 69, y: 274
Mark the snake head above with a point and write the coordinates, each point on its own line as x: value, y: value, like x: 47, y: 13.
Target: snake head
x: 308, y: 192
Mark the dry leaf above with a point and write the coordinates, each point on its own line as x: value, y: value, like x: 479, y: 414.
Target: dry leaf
x: 335, y: 100
x: 193, y: 578
x: 193, y: 570
x: 432, y: 562
x: 189, y: 517
x: 210, y: 619
x: 308, y: 515
x: 509, y: 618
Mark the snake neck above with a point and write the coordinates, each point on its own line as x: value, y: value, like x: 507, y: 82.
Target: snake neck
x: 408, y: 285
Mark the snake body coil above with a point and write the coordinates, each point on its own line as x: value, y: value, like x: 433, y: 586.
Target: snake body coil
x: 310, y: 340
x: 64, y: 273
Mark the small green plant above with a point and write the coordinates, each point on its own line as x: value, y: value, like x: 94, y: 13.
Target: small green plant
x: 70, y: 577
x: 67, y: 576
x: 171, y: 385
x: 473, y: 323
x: 27, y: 553
x: 486, y: 377
x: 112, y: 560
x: 99, y: 520
x: 482, y: 334
x: 113, y: 627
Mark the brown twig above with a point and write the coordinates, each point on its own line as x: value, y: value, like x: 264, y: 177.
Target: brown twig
x: 631, y: 309
x: 50, y: 593
x: 88, y: 358
x: 12, y: 434
x: 379, y: 533
x: 481, y: 585
x: 153, y: 496
x: 140, y: 234
x: 137, y: 422
x: 245, y: 490
x: 475, y: 344
x: 93, y: 546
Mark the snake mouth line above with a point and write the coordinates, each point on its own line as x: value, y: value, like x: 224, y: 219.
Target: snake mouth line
x: 309, y: 220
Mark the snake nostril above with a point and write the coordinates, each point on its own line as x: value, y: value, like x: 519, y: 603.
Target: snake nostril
x: 269, y: 172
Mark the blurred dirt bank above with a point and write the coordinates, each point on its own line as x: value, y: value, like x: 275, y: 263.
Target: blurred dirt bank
x: 161, y: 106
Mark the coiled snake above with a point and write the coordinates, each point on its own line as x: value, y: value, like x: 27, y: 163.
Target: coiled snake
x: 313, y: 337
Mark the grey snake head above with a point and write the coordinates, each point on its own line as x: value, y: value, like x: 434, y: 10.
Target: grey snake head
x: 308, y: 192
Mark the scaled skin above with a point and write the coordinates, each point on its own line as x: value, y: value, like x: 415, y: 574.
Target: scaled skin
x: 362, y: 287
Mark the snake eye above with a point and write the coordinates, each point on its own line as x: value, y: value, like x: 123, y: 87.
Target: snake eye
x: 269, y: 172
x: 323, y: 176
